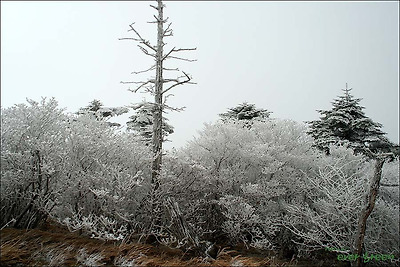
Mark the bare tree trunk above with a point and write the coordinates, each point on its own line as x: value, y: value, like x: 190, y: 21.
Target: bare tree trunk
x: 157, y: 114
x: 155, y: 87
x: 157, y: 52
x: 362, y: 223
x: 179, y: 225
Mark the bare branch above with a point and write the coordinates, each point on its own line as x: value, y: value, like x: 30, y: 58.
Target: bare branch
x: 140, y: 86
x: 142, y: 40
x: 171, y: 69
x: 127, y: 82
x: 156, y: 8
x: 145, y: 51
x: 166, y: 55
x: 162, y: 21
x: 184, y: 49
x: 179, y: 50
x: 188, y: 79
x: 135, y: 39
x: 168, y: 31
x: 170, y: 80
x: 149, y: 89
x: 173, y: 109
x: 166, y: 97
x: 142, y: 71
x: 184, y: 59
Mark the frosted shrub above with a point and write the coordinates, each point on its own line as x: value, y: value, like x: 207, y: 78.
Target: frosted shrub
x: 239, y: 218
x: 269, y: 185
x: 69, y: 166
x: 32, y: 157
x: 106, y: 179
x: 100, y: 227
x: 382, y: 233
x: 261, y: 168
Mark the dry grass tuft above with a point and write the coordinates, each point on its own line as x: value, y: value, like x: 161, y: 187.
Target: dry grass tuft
x: 56, y: 246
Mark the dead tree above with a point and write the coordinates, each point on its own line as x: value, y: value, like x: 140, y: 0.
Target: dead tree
x: 160, y: 87
x: 370, y: 204
x: 156, y: 86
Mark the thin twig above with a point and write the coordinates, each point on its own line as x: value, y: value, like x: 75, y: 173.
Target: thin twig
x: 142, y: 71
x: 184, y: 59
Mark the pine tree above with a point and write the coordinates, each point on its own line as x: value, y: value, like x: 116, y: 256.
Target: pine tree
x: 346, y: 122
x: 92, y: 108
x: 101, y: 113
x: 142, y: 123
x: 246, y: 113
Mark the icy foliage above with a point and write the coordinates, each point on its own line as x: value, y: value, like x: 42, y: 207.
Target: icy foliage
x: 142, y: 122
x: 265, y: 186
x: 346, y: 123
x: 68, y: 166
x: 31, y: 161
x: 96, y: 110
x: 268, y: 187
x: 245, y: 112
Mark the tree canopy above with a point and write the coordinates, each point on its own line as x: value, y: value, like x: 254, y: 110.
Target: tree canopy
x: 142, y: 123
x: 347, y: 123
x: 97, y: 109
x: 246, y: 113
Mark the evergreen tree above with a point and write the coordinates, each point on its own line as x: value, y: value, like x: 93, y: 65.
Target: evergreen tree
x: 246, y: 113
x: 101, y: 113
x: 346, y: 122
x: 142, y: 123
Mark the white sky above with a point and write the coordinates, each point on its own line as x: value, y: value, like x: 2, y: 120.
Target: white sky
x: 291, y: 58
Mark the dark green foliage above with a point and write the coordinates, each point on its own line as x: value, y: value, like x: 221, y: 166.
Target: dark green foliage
x: 246, y: 113
x: 347, y: 123
x: 142, y: 123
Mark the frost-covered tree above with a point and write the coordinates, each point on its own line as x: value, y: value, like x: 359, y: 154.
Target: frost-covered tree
x: 106, y: 176
x: 259, y: 168
x: 32, y: 155
x: 72, y: 168
x: 246, y: 113
x: 142, y: 123
x: 269, y: 187
x: 93, y: 106
x: 347, y: 122
x: 159, y: 85
x: 98, y: 111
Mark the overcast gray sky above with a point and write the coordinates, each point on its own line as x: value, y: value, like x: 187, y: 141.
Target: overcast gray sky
x: 291, y: 58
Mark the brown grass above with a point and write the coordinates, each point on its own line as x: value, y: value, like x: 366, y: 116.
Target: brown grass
x: 54, y: 245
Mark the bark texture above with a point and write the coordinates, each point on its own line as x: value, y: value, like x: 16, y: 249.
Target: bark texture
x: 370, y: 203
x: 157, y: 115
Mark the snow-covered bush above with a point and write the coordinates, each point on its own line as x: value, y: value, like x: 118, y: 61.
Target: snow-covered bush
x: 264, y: 185
x: 32, y: 157
x: 328, y: 216
x: 70, y: 167
x: 267, y: 186
x: 382, y: 233
x: 262, y: 166
x: 106, y: 178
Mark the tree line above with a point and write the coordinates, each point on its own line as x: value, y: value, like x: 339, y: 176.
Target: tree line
x: 246, y: 178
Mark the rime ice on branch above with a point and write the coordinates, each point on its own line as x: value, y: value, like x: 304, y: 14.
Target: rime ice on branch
x: 155, y: 86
